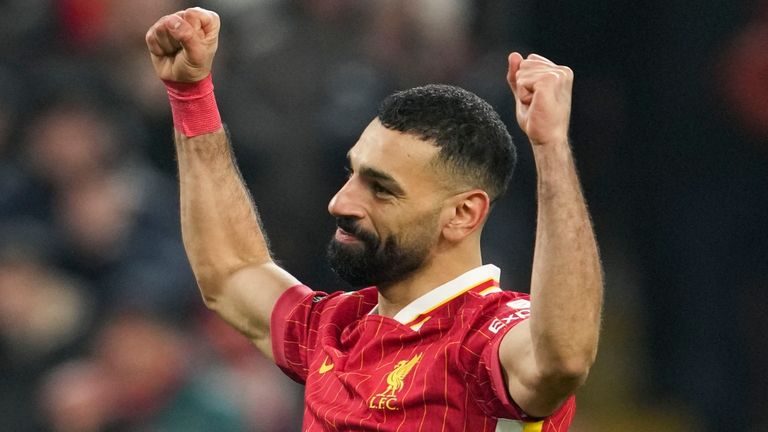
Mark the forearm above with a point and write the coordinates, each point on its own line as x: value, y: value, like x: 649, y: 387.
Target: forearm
x: 220, y: 226
x: 566, y: 283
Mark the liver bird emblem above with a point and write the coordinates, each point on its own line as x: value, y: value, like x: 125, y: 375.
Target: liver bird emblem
x: 397, y: 376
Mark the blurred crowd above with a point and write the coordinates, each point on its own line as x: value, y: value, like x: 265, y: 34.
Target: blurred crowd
x: 101, y: 326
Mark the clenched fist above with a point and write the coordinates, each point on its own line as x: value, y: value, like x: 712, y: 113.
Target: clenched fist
x: 182, y: 45
x: 542, y: 92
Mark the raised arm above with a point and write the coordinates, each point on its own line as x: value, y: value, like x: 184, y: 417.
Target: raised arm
x: 548, y: 356
x: 220, y: 226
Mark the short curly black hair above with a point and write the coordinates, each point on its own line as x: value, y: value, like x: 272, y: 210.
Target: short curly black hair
x: 475, y: 146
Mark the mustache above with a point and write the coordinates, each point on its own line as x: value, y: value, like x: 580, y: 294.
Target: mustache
x: 352, y: 226
x: 349, y: 225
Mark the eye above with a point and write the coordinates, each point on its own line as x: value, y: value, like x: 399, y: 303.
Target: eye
x: 380, y: 190
x: 348, y: 171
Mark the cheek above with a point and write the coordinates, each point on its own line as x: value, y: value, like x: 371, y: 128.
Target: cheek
x: 416, y: 221
x: 422, y: 228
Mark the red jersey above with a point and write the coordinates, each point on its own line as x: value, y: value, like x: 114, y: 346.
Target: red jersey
x: 432, y: 367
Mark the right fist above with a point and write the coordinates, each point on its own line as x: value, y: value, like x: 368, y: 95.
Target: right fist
x: 182, y: 45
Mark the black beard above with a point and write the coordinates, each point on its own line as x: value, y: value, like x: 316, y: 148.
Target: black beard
x: 372, y: 263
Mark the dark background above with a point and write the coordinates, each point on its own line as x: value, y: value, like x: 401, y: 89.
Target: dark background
x: 101, y: 328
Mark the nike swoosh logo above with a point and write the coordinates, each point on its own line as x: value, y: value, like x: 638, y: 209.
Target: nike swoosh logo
x: 325, y: 367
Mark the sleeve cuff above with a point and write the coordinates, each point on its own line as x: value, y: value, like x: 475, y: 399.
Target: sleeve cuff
x: 284, y: 308
x: 500, y: 387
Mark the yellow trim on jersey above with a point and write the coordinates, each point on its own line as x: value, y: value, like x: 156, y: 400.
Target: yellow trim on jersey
x: 479, y: 278
x: 420, y: 323
x: 447, y: 300
x: 533, y: 427
x: 489, y: 290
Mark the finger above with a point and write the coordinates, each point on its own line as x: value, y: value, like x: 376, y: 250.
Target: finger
x: 535, y: 65
x: 204, y: 21
x: 525, y: 87
x: 159, y: 39
x: 533, y: 74
x: 182, y: 33
x: 539, y: 58
x: 525, y: 90
x: 166, y: 37
x: 514, y: 60
x: 525, y: 95
x: 553, y: 80
x: 152, y: 43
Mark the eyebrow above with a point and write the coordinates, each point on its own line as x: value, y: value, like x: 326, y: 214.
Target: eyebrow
x: 375, y: 174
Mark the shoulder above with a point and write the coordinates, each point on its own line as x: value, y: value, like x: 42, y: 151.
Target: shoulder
x: 300, y: 303
x: 497, y: 310
x: 498, y: 302
x: 362, y: 296
x: 352, y: 304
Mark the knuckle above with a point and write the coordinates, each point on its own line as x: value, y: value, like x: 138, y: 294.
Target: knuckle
x: 560, y: 74
x: 551, y: 75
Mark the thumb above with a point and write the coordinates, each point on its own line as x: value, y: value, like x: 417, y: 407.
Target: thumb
x: 182, y: 34
x: 514, y: 59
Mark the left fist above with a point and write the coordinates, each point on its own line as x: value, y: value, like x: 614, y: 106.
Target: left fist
x: 542, y: 92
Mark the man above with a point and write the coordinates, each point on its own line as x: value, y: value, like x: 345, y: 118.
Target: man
x: 436, y: 345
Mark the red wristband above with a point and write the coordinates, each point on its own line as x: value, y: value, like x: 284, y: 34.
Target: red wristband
x: 193, y: 106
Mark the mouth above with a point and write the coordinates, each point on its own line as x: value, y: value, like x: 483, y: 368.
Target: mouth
x: 345, y: 237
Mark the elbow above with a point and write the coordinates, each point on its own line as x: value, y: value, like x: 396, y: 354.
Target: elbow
x: 214, y: 274
x: 211, y: 281
x: 568, y: 373
x: 552, y: 386
x: 211, y: 297
x: 210, y: 285
x: 573, y: 373
x: 210, y: 301
x: 567, y: 363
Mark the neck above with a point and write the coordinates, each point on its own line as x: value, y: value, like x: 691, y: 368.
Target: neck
x: 440, y: 268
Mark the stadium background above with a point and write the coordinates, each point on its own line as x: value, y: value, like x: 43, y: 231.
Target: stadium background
x: 101, y: 328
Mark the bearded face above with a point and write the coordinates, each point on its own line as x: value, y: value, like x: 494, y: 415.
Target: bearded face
x: 388, y: 210
x: 371, y: 260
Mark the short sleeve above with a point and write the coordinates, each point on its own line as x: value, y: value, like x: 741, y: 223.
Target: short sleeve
x: 489, y: 323
x: 293, y: 329
x: 479, y: 356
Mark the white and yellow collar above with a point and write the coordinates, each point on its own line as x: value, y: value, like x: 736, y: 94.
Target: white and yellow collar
x: 485, y: 279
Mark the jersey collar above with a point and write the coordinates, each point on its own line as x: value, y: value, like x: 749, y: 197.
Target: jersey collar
x: 483, y: 279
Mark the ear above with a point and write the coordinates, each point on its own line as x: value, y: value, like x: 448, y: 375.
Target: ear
x: 466, y: 215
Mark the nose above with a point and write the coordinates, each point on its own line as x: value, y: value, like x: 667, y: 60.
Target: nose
x: 347, y: 202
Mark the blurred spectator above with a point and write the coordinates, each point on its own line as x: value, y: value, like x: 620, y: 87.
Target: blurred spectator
x: 668, y: 125
x: 71, y: 142
x: 77, y: 396
x: 13, y: 106
x: 407, y: 36
x: 139, y: 377
x: 26, y: 27
x: 743, y: 91
x: 744, y: 74
x: 268, y: 398
x: 117, y: 217
x: 44, y: 316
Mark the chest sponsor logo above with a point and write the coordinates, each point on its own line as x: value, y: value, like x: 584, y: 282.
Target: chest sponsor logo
x: 395, y: 382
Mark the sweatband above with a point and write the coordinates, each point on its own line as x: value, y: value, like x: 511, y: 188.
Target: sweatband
x: 193, y: 106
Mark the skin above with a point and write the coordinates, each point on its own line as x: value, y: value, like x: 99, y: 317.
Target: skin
x: 544, y: 359
x: 399, y: 206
